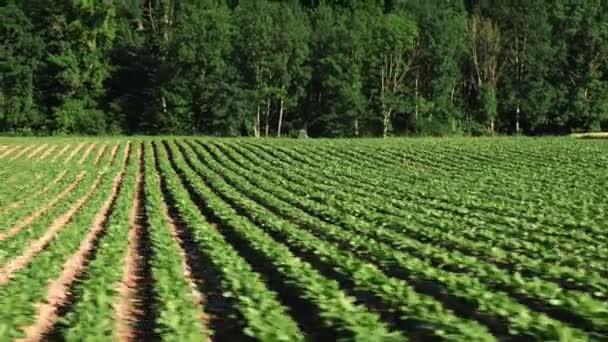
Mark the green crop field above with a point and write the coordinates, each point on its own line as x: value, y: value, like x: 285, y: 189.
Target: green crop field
x: 194, y: 239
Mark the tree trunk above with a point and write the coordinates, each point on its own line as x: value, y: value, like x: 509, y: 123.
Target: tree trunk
x: 267, y: 116
x: 386, y: 120
x: 452, y: 95
x: 519, y: 76
x: 517, y: 128
x: 492, y: 126
x: 384, y: 128
x: 416, y: 99
x: 256, y: 127
x: 163, y: 102
x: 280, y: 117
x: 356, y: 127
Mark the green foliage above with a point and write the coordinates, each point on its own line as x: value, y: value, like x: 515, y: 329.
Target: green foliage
x: 265, y: 67
x: 581, y: 64
x: 20, y: 51
x: 50, y: 262
x: 76, y: 116
x: 300, y: 240
x: 337, y: 73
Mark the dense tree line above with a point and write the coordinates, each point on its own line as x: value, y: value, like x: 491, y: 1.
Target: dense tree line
x: 333, y: 68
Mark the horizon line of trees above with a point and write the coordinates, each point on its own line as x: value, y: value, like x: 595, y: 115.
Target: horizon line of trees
x: 272, y: 68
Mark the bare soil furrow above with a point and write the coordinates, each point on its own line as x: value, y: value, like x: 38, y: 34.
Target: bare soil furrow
x: 61, y: 152
x: 32, y: 216
x: 102, y: 149
x: 47, y: 152
x: 73, y: 153
x: 8, y: 151
x: 58, y: 289
x: 22, y: 152
x: 36, y: 151
x: 113, y: 154
x: 86, y: 154
x: 128, y: 309
x: 35, y: 247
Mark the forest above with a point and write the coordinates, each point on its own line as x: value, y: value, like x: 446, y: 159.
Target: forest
x: 341, y: 68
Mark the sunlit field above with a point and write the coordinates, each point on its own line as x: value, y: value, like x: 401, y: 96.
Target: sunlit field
x: 289, y: 240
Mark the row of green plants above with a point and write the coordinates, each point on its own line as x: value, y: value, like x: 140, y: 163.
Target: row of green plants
x: 321, y: 214
x: 13, y: 245
x: 417, y: 222
x: 521, y: 319
x: 92, y: 316
x: 20, y: 295
x: 419, y: 214
x: 262, y: 315
x: 510, y: 183
x: 387, y: 241
x: 337, y: 311
x: 507, y: 184
x: 484, y: 216
x: 409, y: 306
x: 179, y: 313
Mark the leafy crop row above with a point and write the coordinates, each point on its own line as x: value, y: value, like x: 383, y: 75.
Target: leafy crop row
x: 179, y: 316
x: 409, y: 305
x: 441, y: 231
x: 19, y: 296
x: 534, y: 289
x: 263, y: 316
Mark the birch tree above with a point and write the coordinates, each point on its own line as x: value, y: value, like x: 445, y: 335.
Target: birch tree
x: 393, y: 56
x: 526, y: 92
x: 254, y: 44
x: 484, y: 47
x: 291, y: 50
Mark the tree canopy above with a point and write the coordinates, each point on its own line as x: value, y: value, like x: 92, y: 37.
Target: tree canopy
x: 272, y: 68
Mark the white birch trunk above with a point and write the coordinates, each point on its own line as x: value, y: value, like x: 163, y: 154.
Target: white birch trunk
x: 416, y: 98
x: 280, y: 117
x: 256, y: 127
x: 517, y: 128
x: 267, y: 116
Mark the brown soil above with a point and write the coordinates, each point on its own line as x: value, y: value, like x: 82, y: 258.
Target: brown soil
x: 113, y: 153
x: 57, y: 292
x: 31, y: 217
x: 102, y: 149
x: 47, y: 152
x: 36, y: 151
x: 86, y: 153
x: 73, y: 153
x: 61, y: 152
x: 23, y: 200
x: 35, y: 247
x: 22, y: 152
x: 8, y: 151
x: 124, y: 309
